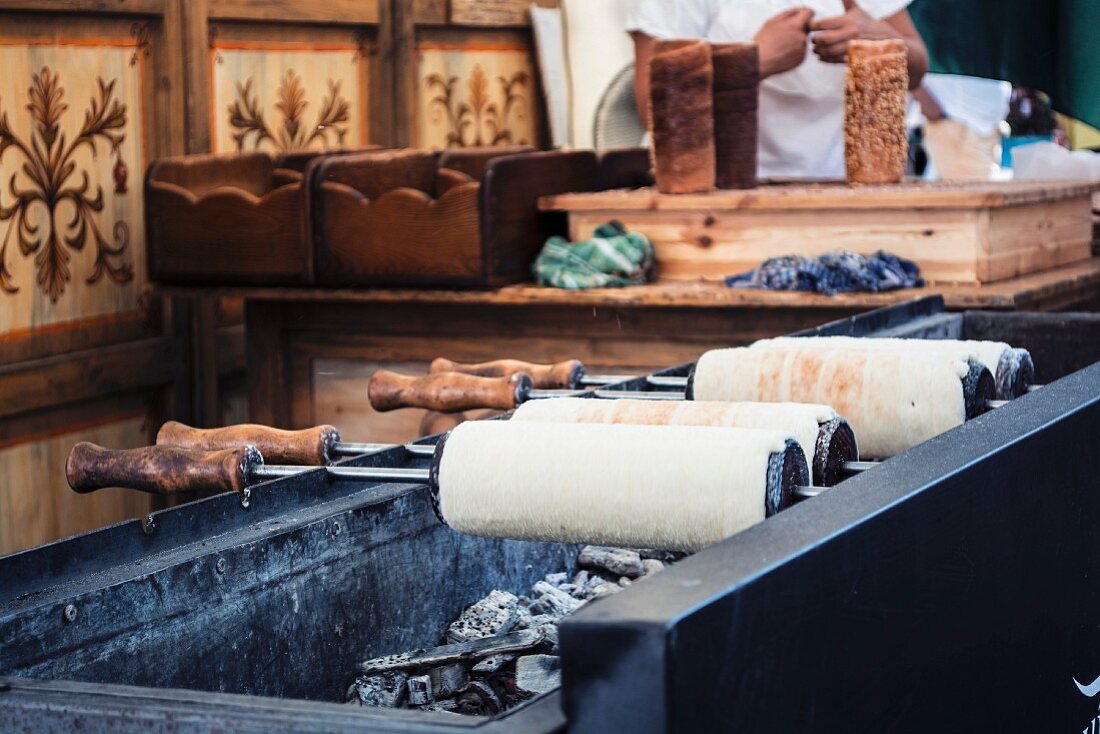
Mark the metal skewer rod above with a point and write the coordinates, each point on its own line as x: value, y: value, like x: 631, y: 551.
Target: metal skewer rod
x: 168, y: 470
x: 655, y: 380
x: 266, y: 472
x: 347, y: 448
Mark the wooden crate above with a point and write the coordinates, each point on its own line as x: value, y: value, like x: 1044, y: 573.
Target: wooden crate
x: 957, y: 233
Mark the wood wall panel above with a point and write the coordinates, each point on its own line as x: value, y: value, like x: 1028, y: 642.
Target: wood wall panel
x: 87, y: 98
x: 476, y: 94
x: 72, y: 242
x: 284, y: 97
x: 87, y: 352
x: 36, y: 503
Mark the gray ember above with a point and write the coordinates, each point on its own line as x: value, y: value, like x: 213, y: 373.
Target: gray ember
x: 502, y: 650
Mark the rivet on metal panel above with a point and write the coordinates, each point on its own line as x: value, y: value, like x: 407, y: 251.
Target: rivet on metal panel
x: 220, y: 565
x: 70, y: 613
x: 335, y: 528
x: 148, y: 524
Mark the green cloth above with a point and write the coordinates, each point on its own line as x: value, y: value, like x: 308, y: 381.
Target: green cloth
x: 612, y: 257
x: 1049, y: 45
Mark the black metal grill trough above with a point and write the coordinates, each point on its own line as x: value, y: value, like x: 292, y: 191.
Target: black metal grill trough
x: 950, y: 588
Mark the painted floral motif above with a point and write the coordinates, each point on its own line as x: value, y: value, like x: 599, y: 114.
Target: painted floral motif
x: 49, y: 180
x: 246, y: 116
x: 477, y: 120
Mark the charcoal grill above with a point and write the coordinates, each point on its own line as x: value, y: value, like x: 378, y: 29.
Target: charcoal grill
x: 949, y: 588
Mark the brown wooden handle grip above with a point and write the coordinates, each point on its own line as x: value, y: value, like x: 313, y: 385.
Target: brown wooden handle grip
x: 561, y: 376
x: 161, y: 469
x: 447, y: 392
x: 311, y: 446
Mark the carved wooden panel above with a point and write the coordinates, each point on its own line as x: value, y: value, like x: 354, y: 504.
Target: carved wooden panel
x: 36, y: 504
x: 72, y: 155
x: 283, y: 97
x: 475, y: 95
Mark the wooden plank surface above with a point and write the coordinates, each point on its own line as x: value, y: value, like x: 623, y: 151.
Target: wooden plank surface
x: 827, y: 195
x: 37, y: 384
x: 489, y: 12
x: 122, y: 7
x: 1080, y: 280
x: 714, y: 245
x: 299, y: 11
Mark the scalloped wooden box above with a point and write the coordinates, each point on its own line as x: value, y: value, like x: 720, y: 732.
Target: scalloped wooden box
x: 957, y: 233
x: 226, y: 220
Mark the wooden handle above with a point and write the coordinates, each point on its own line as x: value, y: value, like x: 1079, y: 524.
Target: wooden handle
x: 161, y: 469
x: 561, y: 376
x: 447, y: 392
x: 312, y: 446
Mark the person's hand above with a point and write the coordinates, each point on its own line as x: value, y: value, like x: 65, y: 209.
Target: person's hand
x: 782, y: 41
x: 831, y: 35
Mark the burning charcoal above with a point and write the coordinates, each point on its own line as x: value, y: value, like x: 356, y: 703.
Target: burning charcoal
x: 616, y: 561
x: 520, y: 641
x: 419, y: 690
x: 478, y: 699
x: 652, y: 566
x: 553, y: 600
x: 538, y: 673
x: 496, y: 614
x: 383, y: 691
x: 492, y: 664
x: 447, y: 679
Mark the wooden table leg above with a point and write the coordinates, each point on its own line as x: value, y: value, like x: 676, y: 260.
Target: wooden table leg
x: 266, y: 364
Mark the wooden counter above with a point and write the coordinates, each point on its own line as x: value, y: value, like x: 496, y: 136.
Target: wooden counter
x: 965, y: 232
x: 310, y: 351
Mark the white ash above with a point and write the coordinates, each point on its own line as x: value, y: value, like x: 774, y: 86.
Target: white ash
x: 538, y: 673
x: 494, y: 680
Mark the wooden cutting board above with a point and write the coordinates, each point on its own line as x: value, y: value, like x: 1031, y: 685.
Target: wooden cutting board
x: 957, y: 232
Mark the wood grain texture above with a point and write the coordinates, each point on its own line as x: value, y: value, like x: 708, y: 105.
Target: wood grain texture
x: 513, y: 230
x: 493, y: 102
x: 257, y: 85
x: 564, y: 375
x: 222, y: 219
x: 35, y: 385
x: 1037, y: 291
x: 36, y: 505
x: 196, y: 71
x: 988, y: 233
x: 778, y: 196
x: 298, y: 11
x: 164, y: 470
x: 402, y: 236
x: 121, y: 7
x: 309, y: 446
x: 474, y: 161
x: 75, y: 244
x: 445, y: 392
x: 72, y: 336
x: 489, y: 12
x: 429, y: 12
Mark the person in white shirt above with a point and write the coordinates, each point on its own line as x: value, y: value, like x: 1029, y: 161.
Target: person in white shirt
x: 803, y: 46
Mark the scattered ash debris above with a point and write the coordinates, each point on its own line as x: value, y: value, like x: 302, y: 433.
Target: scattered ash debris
x: 503, y: 649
